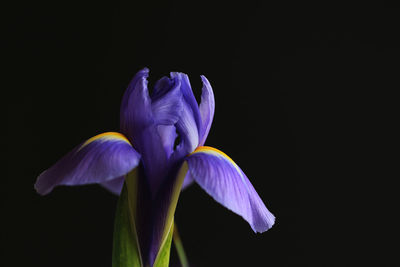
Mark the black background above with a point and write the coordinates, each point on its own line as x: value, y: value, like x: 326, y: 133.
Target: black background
x: 305, y: 104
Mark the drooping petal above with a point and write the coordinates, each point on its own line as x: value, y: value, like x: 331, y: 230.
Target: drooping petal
x: 187, y: 181
x: 207, y: 107
x: 114, y: 185
x: 100, y: 159
x: 220, y: 177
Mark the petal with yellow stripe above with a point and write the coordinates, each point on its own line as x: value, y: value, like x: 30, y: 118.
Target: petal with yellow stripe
x: 223, y: 179
x: 100, y: 159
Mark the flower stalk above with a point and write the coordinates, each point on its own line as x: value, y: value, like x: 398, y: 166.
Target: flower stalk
x: 179, y: 248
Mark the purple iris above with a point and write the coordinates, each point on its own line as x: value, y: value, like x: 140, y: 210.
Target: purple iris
x: 162, y: 135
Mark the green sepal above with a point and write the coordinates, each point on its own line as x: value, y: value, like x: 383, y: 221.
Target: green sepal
x: 169, y: 218
x: 162, y: 259
x: 126, y: 250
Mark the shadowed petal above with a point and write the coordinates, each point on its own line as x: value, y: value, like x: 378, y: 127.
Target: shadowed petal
x: 100, y: 159
x: 163, y: 86
x: 187, y: 181
x: 114, y: 185
x: 220, y: 177
x: 188, y: 131
x: 164, y: 208
x: 168, y: 135
x: 207, y: 107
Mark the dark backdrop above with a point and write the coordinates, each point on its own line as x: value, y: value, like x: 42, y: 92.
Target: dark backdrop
x: 305, y: 104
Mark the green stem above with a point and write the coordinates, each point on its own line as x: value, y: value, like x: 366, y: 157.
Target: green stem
x: 179, y: 248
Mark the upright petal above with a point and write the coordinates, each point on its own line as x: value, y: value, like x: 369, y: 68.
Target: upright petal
x: 188, y: 131
x: 207, y: 107
x: 163, y: 86
x: 100, y: 159
x: 135, y: 112
x: 189, y: 124
x: 188, y: 95
x: 138, y: 123
x: 167, y: 103
x: 220, y: 177
x: 168, y: 135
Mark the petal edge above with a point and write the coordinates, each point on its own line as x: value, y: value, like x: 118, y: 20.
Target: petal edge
x: 223, y: 179
x: 100, y: 159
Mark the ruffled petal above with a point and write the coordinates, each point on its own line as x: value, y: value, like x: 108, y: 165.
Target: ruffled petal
x: 220, y: 177
x: 100, y: 159
x: 207, y: 107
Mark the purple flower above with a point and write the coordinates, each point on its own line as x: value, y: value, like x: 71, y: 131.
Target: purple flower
x: 162, y: 135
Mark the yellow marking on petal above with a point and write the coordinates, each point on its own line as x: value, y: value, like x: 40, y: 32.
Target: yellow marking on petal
x: 213, y: 151
x: 108, y: 136
x: 210, y: 150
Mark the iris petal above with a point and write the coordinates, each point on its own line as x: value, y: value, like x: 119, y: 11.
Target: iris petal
x: 162, y: 86
x: 220, y: 177
x: 207, y: 107
x: 167, y: 107
x: 188, y: 95
x: 100, y: 159
x: 187, y: 181
x: 114, y: 185
x: 187, y: 129
x: 135, y: 112
x: 168, y: 135
x: 189, y: 124
x: 138, y: 123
